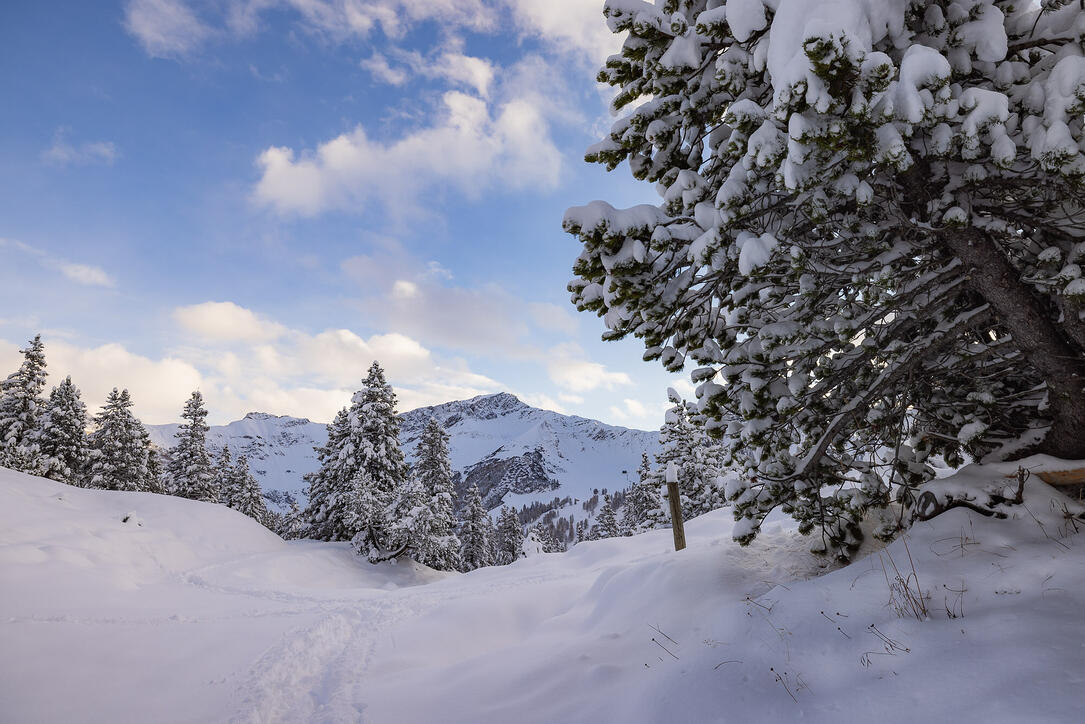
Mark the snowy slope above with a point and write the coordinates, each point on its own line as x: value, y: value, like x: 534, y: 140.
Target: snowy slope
x: 200, y: 615
x: 516, y: 452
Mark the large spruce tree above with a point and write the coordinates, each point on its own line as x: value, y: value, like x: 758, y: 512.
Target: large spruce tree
x: 63, y: 440
x: 869, y: 239
x: 190, y: 471
x: 119, y: 447
x: 361, y: 467
x: 476, y: 533
x: 21, y: 408
x: 438, y: 546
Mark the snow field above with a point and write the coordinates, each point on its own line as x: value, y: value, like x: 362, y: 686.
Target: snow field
x: 199, y: 614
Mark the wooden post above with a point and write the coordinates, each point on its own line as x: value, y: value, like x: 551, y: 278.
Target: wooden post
x: 677, y: 526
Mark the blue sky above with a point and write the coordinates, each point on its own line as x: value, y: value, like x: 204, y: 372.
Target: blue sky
x: 259, y: 197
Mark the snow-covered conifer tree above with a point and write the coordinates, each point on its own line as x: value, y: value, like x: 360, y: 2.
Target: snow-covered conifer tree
x: 643, y: 498
x: 869, y: 239
x: 330, y: 488
x: 362, y: 466
x: 510, y: 536
x: 606, y: 524
x: 63, y: 439
x: 191, y: 474
x: 245, y: 493
x: 476, y: 530
x: 119, y: 447
x: 433, y: 469
x: 698, y: 458
x: 225, y: 479
x: 21, y: 408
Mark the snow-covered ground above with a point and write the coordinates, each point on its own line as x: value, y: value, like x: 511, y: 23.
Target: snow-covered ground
x: 190, y: 612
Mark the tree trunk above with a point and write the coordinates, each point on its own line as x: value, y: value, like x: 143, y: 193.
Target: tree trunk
x: 1039, y: 338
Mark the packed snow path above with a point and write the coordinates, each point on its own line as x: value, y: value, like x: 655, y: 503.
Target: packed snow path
x: 190, y: 612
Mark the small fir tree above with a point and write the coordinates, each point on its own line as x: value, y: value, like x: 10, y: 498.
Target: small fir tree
x: 190, y: 464
x: 63, y: 441
x: 606, y: 524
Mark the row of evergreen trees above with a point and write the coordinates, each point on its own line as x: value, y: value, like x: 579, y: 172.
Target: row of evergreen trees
x: 48, y: 438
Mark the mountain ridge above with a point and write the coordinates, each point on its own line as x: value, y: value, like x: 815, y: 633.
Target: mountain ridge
x: 517, y: 454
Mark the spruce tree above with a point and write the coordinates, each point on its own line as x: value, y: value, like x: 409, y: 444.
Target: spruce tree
x: 606, y: 524
x: 155, y: 480
x: 437, y: 544
x: 190, y: 464
x: 330, y: 487
x: 245, y: 492
x: 21, y: 408
x: 229, y: 493
x: 362, y: 466
x: 643, y: 498
x: 475, y: 533
x: 63, y: 440
x: 119, y: 447
x: 869, y: 238
x: 510, y: 536
x: 699, y: 461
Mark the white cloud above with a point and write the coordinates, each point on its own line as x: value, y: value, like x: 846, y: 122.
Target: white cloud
x: 63, y: 153
x: 81, y: 273
x: 404, y: 289
x: 86, y: 274
x: 379, y: 67
x: 165, y: 28
x: 569, y: 369
x: 226, y: 321
x: 472, y: 146
x: 158, y: 387
x: 573, y: 25
x: 255, y: 364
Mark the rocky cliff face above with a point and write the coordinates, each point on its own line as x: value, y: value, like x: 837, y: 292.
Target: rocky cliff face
x: 516, y: 453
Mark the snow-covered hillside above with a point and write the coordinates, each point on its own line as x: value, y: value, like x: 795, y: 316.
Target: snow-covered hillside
x: 517, y: 453
x: 140, y: 607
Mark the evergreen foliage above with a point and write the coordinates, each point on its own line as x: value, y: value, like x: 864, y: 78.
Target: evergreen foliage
x: 509, y: 545
x: 642, y: 500
x: 606, y: 524
x: 245, y: 495
x: 869, y: 238
x: 433, y: 537
x: 21, y: 407
x: 699, y: 462
x: 225, y: 481
x: 476, y: 532
x: 189, y: 466
x: 63, y: 442
x: 119, y: 446
x: 361, y: 468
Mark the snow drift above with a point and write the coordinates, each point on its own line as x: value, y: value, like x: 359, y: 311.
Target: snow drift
x: 190, y: 612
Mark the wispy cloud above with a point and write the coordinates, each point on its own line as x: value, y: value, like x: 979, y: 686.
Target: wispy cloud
x: 81, y: 273
x: 165, y: 28
x: 63, y: 153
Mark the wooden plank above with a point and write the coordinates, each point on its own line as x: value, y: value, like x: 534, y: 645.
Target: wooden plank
x: 1064, y: 478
